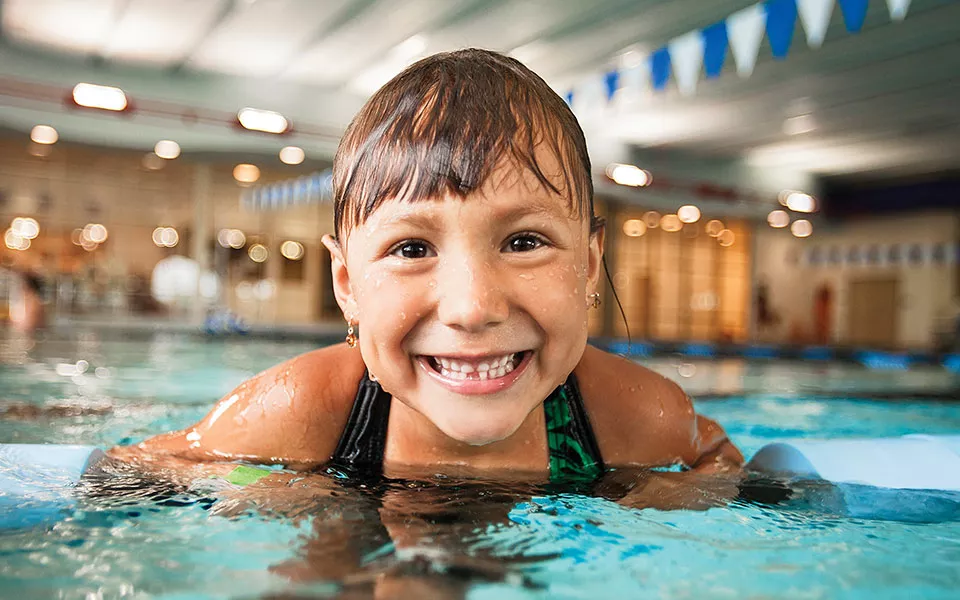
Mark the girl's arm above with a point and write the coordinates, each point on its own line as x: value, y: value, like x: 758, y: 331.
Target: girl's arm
x: 291, y: 414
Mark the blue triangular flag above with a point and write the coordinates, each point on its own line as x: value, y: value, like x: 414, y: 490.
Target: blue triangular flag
x: 660, y: 68
x: 612, y: 81
x: 715, y: 48
x: 854, y: 13
x: 781, y: 21
x: 569, y: 98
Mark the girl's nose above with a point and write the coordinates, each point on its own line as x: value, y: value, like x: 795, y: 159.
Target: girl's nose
x: 470, y: 297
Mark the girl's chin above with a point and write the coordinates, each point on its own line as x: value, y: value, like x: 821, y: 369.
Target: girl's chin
x: 479, y: 431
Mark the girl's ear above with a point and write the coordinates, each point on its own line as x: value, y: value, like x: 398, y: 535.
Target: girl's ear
x: 342, y: 289
x: 595, y: 258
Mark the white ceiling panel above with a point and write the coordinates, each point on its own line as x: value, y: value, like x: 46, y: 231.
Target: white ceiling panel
x: 71, y: 25
x: 259, y: 38
x: 161, y: 33
x: 372, y: 37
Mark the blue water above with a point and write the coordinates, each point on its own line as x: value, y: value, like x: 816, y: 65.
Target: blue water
x: 442, y: 538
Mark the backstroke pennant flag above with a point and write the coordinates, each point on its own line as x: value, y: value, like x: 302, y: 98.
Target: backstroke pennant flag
x: 781, y: 21
x: 815, y: 17
x: 611, y: 80
x: 745, y: 32
x: 898, y: 9
x: 715, y: 44
x: 686, y: 58
x: 660, y: 68
x: 635, y: 83
x: 854, y: 13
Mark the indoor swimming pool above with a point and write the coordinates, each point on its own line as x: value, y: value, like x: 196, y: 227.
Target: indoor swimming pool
x: 131, y: 536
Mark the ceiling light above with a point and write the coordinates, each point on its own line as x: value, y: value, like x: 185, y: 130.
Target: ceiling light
x: 726, y: 238
x: 688, y: 213
x: 167, y: 149
x: 236, y: 239
x: 99, y: 96
x: 634, y: 228
x: 266, y: 121
x: 800, y: 202
x: 778, y: 219
x: 652, y: 219
x: 245, y: 173
x: 628, y: 175
x: 714, y: 227
x: 76, y: 236
x: 258, y: 253
x: 291, y: 155
x: 291, y: 250
x: 44, y: 134
x: 801, y: 228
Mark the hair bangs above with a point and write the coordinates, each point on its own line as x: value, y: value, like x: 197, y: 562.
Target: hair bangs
x: 445, y: 124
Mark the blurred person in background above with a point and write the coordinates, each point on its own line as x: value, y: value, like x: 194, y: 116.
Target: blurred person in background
x: 26, y: 302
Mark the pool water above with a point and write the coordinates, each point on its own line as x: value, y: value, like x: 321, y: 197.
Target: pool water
x: 131, y: 536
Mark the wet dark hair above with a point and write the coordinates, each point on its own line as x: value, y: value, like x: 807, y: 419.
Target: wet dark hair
x: 444, y: 124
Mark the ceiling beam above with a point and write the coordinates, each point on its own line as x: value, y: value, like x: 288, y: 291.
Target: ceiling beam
x: 227, y: 8
x: 350, y: 13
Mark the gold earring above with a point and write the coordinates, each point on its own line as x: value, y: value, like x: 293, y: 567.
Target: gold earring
x: 351, y: 338
x: 594, y: 300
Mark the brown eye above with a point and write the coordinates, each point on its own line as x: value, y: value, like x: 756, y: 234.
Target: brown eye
x: 524, y: 243
x: 412, y: 250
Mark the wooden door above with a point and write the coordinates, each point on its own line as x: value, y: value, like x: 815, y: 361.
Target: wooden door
x: 873, y: 312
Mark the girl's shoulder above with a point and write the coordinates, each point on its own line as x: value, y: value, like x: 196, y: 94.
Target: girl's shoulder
x: 292, y: 413
x: 639, y: 417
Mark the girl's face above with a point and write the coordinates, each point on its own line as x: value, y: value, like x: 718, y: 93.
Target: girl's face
x: 471, y: 311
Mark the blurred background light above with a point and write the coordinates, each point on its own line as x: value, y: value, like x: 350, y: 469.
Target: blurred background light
x: 104, y: 97
x: 246, y: 173
x: 634, y: 228
x: 95, y: 232
x: 628, y: 175
x: 726, y: 238
x: 258, y: 253
x: 671, y: 223
x: 25, y: 227
x: 714, y: 227
x: 291, y: 250
x: 167, y: 149
x: 800, y: 202
x: 152, y: 162
x: 778, y: 219
x: 166, y: 237
x: 266, y: 121
x: 651, y: 219
x: 801, y: 228
x: 44, y: 134
x: 292, y: 155
x: 688, y: 213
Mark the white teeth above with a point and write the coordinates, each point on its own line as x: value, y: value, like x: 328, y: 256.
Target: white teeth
x: 461, y: 370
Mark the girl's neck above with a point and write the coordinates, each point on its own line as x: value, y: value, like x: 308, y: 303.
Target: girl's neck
x: 414, y: 441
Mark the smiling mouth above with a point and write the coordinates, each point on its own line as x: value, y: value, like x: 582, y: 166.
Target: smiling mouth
x: 480, y: 369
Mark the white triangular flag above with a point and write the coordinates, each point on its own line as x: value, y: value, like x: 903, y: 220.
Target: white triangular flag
x: 745, y: 31
x: 815, y: 16
x: 686, y: 59
x: 635, y: 85
x: 590, y: 98
x: 898, y: 9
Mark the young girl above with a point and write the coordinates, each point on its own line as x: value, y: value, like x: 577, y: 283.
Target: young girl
x: 465, y: 259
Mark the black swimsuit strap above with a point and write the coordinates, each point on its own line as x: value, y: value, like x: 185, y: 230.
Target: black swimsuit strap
x: 361, y: 446
x: 574, y: 453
